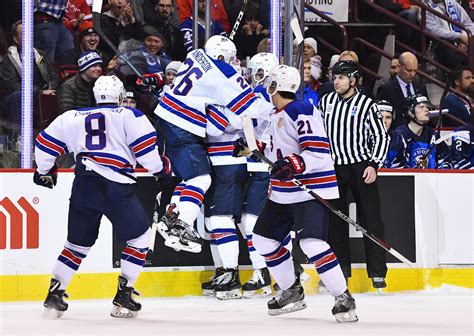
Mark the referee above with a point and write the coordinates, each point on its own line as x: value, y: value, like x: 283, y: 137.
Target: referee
x: 359, y: 144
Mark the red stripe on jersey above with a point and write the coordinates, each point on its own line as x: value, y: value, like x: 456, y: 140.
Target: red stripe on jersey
x: 144, y: 144
x: 315, y: 180
x: 50, y: 145
x: 316, y: 144
x: 189, y: 113
x: 218, y: 118
x: 220, y: 149
x: 242, y: 102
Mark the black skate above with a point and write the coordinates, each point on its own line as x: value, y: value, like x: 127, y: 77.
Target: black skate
x: 258, y: 285
x: 208, y: 287
x: 228, y: 285
x: 124, y: 304
x: 379, y: 283
x: 344, y: 308
x: 299, y: 272
x: 287, y: 300
x: 183, y: 237
x: 166, y: 222
x: 54, y: 303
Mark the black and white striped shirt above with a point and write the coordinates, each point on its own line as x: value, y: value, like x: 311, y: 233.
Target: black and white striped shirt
x: 355, y: 129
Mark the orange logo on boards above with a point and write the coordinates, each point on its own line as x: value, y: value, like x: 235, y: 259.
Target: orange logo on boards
x: 16, y: 224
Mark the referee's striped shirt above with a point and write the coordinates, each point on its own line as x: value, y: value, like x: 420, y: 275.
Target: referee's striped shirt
x: 355, y: 129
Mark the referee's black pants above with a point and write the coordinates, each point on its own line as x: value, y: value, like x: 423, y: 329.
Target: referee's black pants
x: 349, y: 177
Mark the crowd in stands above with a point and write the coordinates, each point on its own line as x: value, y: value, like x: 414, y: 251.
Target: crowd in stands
x: 155, y: 36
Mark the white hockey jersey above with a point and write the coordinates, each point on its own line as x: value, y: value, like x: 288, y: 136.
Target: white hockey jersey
x: 299, y: 129
x: 202, y: 81
x: 110, y: 140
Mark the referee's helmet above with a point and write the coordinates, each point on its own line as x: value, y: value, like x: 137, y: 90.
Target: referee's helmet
x: 348, y: 68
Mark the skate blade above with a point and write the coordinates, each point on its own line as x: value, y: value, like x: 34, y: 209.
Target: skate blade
x: 208, y: 292
x: 262, y: 292
x: 290, y: 308
x: 121, y: 312
x: 174, y: 243
x: 229, y: 295
x: 51, y: 314
x: 349, y: 316
x: 162, y: 229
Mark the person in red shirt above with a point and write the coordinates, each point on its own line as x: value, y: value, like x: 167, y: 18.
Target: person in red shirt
x: 76, y: 12
x: 218, y: 13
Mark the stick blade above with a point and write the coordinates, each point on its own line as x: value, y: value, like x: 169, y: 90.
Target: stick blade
x: 247, y: 126
x: 295, y: 27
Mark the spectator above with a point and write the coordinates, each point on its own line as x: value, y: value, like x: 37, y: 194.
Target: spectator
x: 394, y: 65
x: 89, y: 40
x: 218, y: 13
x: 76, y: 92
x: 407, y: 10
x: 441, y: 28
x: 170, y: 74
x: 403, y: 85
x: 186, y: 28
x: 130, y: 99
x: 77, y: 11
x: 119, y: 24
x: 51, y: 36
x: 249, y: 36
x: 358, y: 149
x: 264, y: 45
x: 161, y: 18
x: 311, y: 74
x: 310, y: 47
x: 419, y: 150
x: 334, y: 59
x: 45, y: 80
x: 138, y: 13
x: 459, y: 105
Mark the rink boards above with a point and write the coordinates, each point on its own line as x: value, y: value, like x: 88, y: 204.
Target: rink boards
x: 429, y: 218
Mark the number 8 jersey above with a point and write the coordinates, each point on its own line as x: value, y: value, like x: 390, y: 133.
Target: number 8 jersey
x: 298, y: 128
x: 202, y: 81
x: 109, y: 139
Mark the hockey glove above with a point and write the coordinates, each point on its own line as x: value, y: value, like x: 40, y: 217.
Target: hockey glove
x: 47, y: 180
x: 164, y: 176
x: 154, y: 80
x: 241, y: 148
x: 286, y: 168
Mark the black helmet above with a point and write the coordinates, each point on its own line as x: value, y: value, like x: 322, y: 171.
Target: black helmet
x: 413, y: 101
x: 348, y: 68
x: 384, y: 106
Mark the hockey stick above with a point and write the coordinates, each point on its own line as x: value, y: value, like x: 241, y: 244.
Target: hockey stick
x: 238, y: 20
x: 250, y: 137
x: 296, y: 29
x: 154, y: 226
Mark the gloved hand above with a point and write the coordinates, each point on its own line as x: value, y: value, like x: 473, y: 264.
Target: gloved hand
x: 286, y: 168
x: 47, y: 180
x: 241, y: 148
x: 164, y: 176
x: 155, y: 80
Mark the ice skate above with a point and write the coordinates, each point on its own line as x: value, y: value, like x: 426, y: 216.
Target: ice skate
x: 379, y: 283
x: 287, y: 300
x: 124, y: 304
x: 208, y: 287
x: 228, y: 285
x: 54, y: 303
x: 258, y: 285
x: 344, y: 308
x: 183, y: 237
x: 167, y: 221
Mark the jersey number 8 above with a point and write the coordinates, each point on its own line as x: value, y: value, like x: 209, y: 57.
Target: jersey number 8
x: 95, y: 131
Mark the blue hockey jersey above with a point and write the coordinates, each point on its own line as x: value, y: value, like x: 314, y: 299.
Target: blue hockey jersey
x: 462, y: 148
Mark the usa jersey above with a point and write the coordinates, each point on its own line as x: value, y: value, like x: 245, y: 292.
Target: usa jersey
x: 109, y: 139
x: 462, y: 148
x: 299, y: 129
x: 415, y: 147
x: 203, y: 81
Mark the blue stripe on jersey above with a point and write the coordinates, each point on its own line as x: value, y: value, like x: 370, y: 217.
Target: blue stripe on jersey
x: 263, y: 91
x: 225, y: 68
x: 238, y: 98
x: 145, y: 150
x: 54, y: 140
x: 214, y: 115
x: 309, y: 186
x: 313, y: 138
x: 142, y: 138
x: 298, y: 107
x: 46, y: 149
x: 179, y: 113
x: 245, y: 106
x: 317, y: 174
x: 318, y: 150
x: 223, y: 143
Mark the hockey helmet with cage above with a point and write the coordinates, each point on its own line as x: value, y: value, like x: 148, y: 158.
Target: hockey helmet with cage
x: 384, y: 106
x: 412, y: 102
x: 108, y: 89
x: 348, y: 68
x: 283, y: 78
x: 260, y: 66
x: 220, y: 48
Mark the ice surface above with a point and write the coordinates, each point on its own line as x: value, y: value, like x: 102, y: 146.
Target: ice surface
x: 443, y: 311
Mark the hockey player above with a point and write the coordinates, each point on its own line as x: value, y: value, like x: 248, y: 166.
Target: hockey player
x: 462, y: 148
x: 108, y: 141
x: 419, y: 149
x: 206, y: 78
x: 392, y: 160
x: 300, y: 148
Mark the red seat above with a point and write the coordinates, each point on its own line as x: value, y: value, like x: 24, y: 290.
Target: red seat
x: 48, y: 110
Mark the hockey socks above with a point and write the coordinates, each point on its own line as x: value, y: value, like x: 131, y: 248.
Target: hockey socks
x: 326, y: 264
x: 68, y: 263
x: 133, y: 257
x: 224, y: 236
x: 248, y: 222
x: 191, y: 198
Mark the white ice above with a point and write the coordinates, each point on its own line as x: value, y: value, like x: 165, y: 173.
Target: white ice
x: 444, y: 311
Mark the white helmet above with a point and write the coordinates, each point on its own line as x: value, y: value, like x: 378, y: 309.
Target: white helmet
x: 221, y: 48
x: 108, y: 89
x: 283, y: 78
x: 261, y: 64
